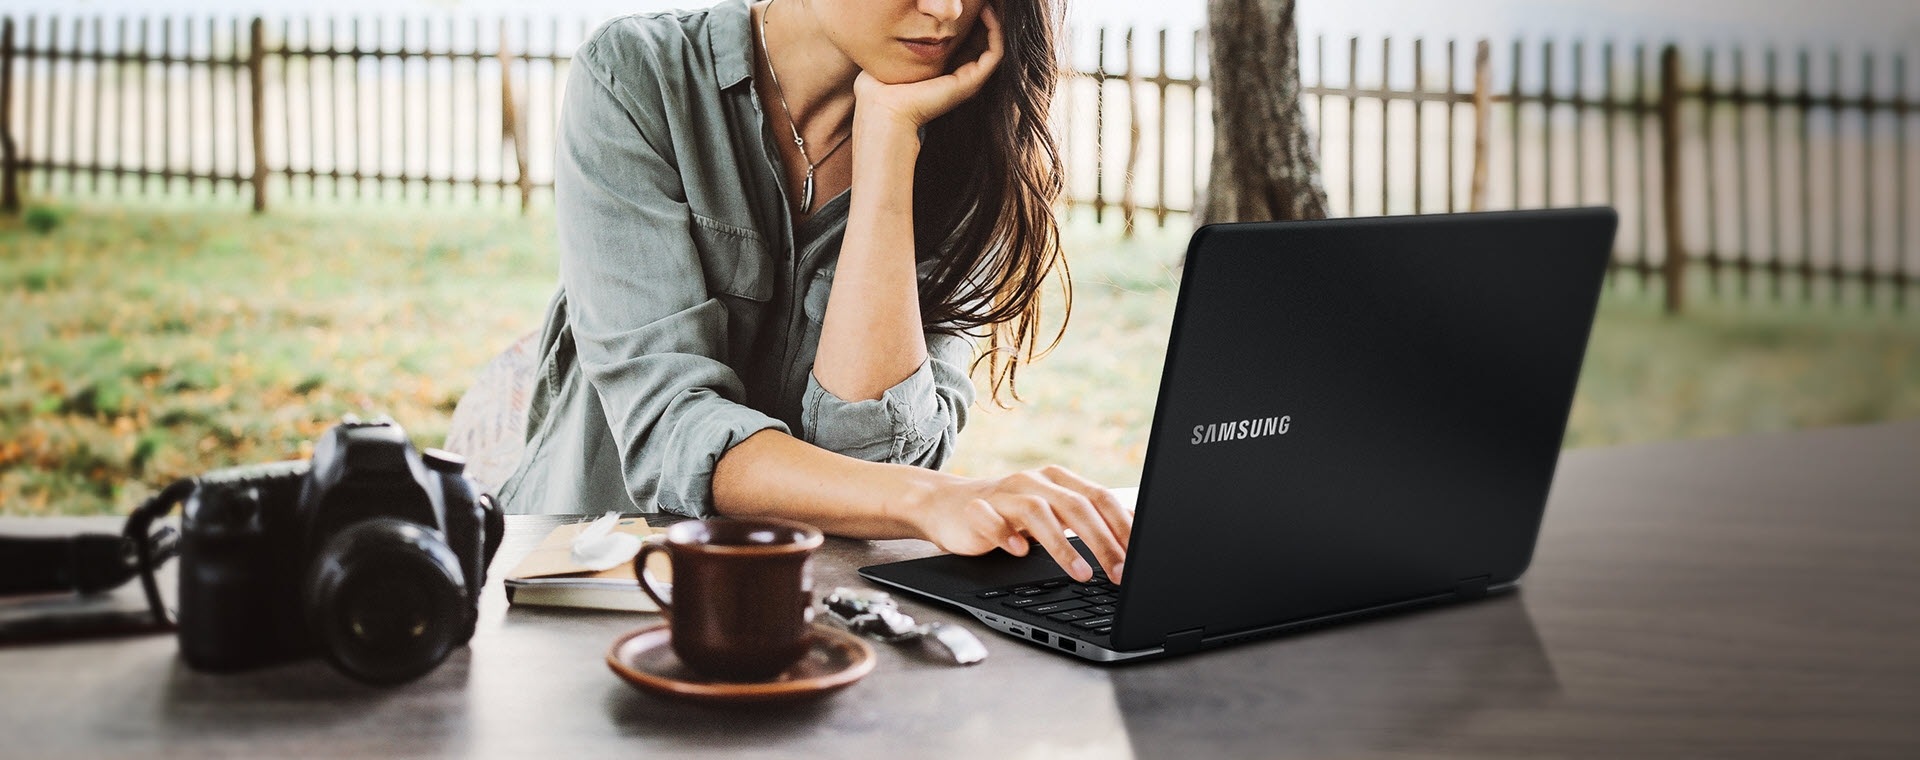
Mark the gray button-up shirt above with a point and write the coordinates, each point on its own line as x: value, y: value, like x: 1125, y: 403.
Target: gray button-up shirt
x: 689, y: 306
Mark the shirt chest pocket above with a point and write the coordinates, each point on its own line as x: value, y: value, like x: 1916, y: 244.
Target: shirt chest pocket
x: 819, y: 287
x: 734, y: 259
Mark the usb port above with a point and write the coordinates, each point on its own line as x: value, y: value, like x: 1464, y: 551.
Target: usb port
x: 1041, y: 636
x: 1066, y: 643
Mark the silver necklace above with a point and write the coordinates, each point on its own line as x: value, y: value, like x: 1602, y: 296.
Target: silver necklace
x: 806, y: 188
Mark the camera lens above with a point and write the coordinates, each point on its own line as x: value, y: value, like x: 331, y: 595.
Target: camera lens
x: 387, y: 601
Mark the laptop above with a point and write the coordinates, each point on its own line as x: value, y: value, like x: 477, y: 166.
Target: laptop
x: 1356, y: 417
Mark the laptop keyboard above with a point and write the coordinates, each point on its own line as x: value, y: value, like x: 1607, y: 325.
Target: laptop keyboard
x: 1085, y: 610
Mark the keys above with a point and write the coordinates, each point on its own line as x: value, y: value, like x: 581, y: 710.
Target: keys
x: 1102, y: 599
x: 1095, y: 622
x: 1024, y: 602
x: 1071, y: 615
x: 1101, y: 609
x: 1053, y: 607
x: 993, y: 594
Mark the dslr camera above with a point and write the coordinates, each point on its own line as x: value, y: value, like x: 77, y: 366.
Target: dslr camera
x: 372, y: 554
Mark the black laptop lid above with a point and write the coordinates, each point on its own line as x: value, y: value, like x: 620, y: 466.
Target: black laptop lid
x: 1357, y: 412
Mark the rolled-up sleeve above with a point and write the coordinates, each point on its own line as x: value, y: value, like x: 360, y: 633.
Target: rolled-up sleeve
x: 651, y: 338
x: 916, y: 422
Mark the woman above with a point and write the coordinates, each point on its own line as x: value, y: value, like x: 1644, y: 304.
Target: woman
x: 780, y: 226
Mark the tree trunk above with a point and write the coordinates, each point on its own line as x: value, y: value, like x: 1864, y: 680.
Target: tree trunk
x: 1263, y: 162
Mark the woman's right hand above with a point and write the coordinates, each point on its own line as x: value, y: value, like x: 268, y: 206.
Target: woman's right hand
x: 914, y: 104
x: 974, y: 516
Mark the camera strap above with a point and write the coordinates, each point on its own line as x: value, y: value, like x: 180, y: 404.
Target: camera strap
x: 89, y: 563
x: 151, y: 548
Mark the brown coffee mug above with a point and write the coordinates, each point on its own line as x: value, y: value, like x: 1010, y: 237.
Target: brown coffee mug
x: 740, y: 606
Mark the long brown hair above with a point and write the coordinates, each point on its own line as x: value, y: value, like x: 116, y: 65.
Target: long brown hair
x: 984, y: 190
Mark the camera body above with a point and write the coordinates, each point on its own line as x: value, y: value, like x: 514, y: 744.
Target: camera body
x: 371, y: 554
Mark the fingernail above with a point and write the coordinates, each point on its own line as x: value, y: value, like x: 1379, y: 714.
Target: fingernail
x: 1080, y: 568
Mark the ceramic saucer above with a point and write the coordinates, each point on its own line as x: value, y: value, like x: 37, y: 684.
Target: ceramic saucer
x: 834, y: 660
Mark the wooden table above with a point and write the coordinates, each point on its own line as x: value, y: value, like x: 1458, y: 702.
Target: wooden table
x: 1753, y: 596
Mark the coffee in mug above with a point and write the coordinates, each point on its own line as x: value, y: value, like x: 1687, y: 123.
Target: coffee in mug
x: 740, y: 606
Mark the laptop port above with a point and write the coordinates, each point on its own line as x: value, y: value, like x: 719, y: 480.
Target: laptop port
x: 1041, y: 636
x: 1066, y: 644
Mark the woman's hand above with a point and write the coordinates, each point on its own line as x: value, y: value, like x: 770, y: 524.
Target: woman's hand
x: 973, y: 517
x: 913, y: 104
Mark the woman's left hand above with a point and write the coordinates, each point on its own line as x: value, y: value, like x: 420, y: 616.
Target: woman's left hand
x: 913, y: 104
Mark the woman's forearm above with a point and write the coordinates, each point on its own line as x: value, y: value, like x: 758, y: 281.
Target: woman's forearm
x: 775, y: 474
x: 871, y: 337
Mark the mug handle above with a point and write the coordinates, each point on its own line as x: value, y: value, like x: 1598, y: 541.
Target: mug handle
x: 663, y: 598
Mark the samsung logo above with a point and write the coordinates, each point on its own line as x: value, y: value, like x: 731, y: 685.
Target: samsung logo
x: 1241, y: 429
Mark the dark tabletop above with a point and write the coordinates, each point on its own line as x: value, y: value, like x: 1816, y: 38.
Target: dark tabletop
x: 1754, y: 596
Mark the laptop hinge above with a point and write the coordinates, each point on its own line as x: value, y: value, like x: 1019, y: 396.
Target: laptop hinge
x: 1472, y: 588
x: 1180, y: 642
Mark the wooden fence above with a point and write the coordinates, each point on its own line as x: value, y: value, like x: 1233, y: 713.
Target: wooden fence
x: 1719, y: 162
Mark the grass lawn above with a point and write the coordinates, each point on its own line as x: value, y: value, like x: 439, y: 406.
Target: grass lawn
x: 154, y: 341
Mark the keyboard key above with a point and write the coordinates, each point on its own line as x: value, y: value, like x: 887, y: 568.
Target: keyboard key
x: 1018, y: 589
x: 1099, y: 622
x: 1053, y: 584
x: 1103, y: 609
x: 1102, y: 599
x: 1070, y: 615
x: 1029, y: 601
x: 1031, y: 591
x: 992, y: 594
x: 1052, y: 607
x: 1103, y: 629
x: 1089, y: 590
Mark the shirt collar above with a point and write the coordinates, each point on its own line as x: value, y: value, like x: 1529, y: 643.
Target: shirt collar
x: 730, y: 36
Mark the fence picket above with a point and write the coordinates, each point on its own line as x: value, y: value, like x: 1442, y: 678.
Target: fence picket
x: 1386, y: 124
x: 1514, y: 102
x: 1160, y: 83
x: 1900, y: 249
x: 1833, y: 263
x: 1353, y: 111
x: 9, y: 189
x: 25, y: 157
x: 1419, y: 128
x: 1610, y: 107
x: 1547, y: 105
x: 1867, y: 194
x: 1452, y: 118
x: 1776, y: 262
x: 1806, y: 177
x: 1674, y: 264
x: 1709, y: 105
x: 1644, y: 259
x: 256, y: 91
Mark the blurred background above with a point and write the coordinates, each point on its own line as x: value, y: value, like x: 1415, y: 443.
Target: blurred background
x: 232, y: 222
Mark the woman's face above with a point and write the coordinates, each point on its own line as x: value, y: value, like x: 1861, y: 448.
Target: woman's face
x: 898, y: 41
